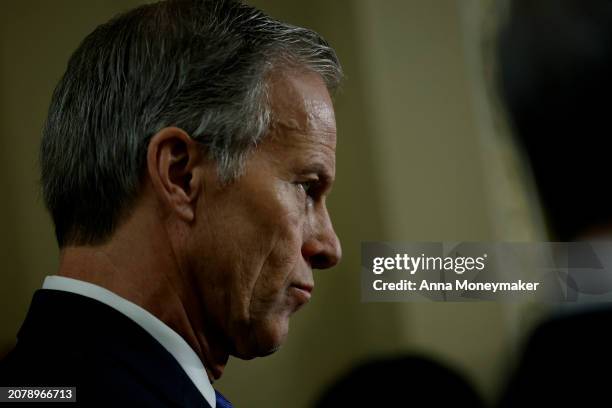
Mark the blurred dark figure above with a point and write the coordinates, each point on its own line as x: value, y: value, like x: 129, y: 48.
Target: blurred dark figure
x: 555, y: 77
x: 410, y: 381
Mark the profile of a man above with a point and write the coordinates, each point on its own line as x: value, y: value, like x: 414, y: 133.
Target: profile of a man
x: 186, y: 159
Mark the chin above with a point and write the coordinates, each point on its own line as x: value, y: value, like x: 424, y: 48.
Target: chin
x: 263, y: 339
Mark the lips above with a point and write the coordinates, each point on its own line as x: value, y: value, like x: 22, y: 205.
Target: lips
x: 307, y: 287
x: 303, y: 291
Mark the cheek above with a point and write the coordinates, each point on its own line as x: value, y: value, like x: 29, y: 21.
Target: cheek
x: 256, y: 247
x: 284, y: 257
x: 282, y: 261
x: 251, y: 263
x: 227, y: 253
x: 282, y: 230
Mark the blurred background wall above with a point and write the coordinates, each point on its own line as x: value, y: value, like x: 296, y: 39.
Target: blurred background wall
x: 420, y: 158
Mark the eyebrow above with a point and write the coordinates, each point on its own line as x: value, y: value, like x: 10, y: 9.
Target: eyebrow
x: 318, y: 168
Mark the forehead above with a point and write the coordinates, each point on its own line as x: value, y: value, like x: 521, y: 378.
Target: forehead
x: 301, y: 106
x: 303, y: 128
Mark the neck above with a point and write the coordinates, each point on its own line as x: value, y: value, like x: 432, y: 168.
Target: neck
x: 144, y: 270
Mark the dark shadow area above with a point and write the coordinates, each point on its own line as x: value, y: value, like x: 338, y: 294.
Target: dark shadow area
x: 555, y: 64
x: 410, y: 381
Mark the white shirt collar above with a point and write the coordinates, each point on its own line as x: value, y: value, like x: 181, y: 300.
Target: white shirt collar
x: 168, y: 338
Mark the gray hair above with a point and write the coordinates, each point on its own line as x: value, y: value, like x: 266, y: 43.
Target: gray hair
x: 200, y: 65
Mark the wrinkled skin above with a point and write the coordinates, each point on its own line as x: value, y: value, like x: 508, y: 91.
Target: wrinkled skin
x: 258, y: 239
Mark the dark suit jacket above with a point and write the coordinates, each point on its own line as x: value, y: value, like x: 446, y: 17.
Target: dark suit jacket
x: 72, y: 340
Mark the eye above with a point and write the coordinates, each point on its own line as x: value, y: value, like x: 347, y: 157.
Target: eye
x: 308, y: 186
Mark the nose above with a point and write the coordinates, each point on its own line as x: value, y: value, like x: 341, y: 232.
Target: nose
x: 322, y: 249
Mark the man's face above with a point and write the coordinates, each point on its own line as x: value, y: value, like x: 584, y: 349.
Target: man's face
x: 259, y: 238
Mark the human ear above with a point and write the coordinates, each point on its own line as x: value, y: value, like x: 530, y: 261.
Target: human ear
x: 173, y: 160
